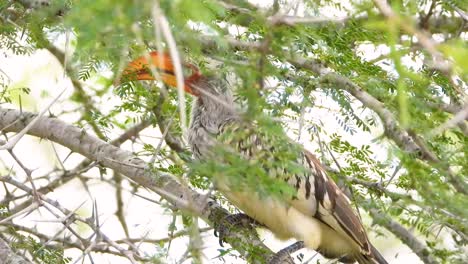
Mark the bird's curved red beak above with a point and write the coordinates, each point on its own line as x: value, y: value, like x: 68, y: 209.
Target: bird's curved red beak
x: 139, y: 69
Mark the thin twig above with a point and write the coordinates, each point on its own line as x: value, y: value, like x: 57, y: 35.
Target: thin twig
x: 13, y: 141
x: 161, y: 20
x: 459, y: 117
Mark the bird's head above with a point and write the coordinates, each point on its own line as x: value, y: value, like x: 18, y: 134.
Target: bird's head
x: 140, y: 69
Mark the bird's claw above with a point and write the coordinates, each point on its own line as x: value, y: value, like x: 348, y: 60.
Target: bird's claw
x: 232, y: 221
x: 283, y: 256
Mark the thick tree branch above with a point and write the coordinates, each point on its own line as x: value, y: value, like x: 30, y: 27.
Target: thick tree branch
x: 126, y: 163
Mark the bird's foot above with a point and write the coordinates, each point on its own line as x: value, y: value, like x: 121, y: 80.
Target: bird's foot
x: 232, y: 221
x: 341, y: 259
x: 283, y: 256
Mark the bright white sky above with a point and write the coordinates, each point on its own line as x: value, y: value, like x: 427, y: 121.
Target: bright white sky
x: 44, y: 76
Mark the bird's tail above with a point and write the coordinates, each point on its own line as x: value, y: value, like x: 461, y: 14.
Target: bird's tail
x: 374, y: 258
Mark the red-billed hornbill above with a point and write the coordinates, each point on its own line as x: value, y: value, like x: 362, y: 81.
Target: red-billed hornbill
x: 316, y: 212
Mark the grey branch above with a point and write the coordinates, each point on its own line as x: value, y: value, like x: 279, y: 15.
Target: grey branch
x: 34, y: 3
x: 436, y: 24
x: 404, y: 235
x: 8, y: 256
x: 125, y: 163
x: 393, y: 131
x: 457, y: 119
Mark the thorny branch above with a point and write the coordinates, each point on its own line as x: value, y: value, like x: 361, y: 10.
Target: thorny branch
x: 72, y: 215
x: 62, y: 177
x: 7, y: 255
x: 133, y: 168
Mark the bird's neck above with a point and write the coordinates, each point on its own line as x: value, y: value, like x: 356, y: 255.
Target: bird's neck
x: 213, y: 107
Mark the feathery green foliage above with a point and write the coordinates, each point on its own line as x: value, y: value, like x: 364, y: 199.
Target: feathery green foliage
x: 393, y: 82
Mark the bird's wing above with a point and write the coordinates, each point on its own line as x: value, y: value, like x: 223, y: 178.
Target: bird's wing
x: 332, y: 206
x: 317, y: 195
